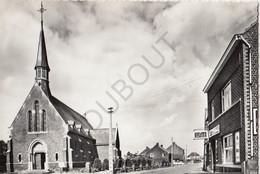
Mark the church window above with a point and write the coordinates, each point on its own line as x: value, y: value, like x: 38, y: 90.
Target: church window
x: 29, y: 121
x: 39, y: 73
x: 56, y: 156
x: 44, y: 74
x: 43, y: 121
x: 36, y: 107
x: 19, y: 158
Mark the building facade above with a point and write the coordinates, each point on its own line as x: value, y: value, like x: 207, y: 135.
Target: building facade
x: 232, y: 94
x: 102, y: 143
x: 178, y: 152
x: 158, y: 154
x: 46, y: 133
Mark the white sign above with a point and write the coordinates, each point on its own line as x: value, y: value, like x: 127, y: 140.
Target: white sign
x: 237, y: 147
x: 200, y: 134
x: 214, y: 131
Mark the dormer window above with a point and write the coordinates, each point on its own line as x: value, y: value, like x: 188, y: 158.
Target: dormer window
x: 78, y: 126
x: 71, y: 123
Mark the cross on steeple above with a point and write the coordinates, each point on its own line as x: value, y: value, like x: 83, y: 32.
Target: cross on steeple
x: 41, y: 10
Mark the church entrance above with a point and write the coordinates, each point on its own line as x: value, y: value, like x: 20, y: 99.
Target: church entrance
x: 38, y: 156
x: 39, y: 160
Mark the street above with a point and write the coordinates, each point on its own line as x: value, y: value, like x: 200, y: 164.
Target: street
x: 181, y: 169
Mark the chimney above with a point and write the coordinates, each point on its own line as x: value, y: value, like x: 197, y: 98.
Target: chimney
x: 157, y: 144
x: 161, y: 145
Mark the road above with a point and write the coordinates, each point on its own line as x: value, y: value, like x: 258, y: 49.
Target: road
x: 181, y: 169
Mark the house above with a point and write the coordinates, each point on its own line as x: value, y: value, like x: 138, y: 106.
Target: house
x: 193, y: 156
x: 46, y: 133
x: 158, y: 154
x: 178, y: 152
x: 232, y: 94
x: 145, y: 151
x: 102, y: 140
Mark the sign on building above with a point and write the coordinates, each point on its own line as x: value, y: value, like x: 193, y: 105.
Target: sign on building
x: 200, y: 134
x: 214, y: 131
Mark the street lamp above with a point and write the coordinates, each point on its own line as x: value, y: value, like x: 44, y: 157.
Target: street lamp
x: 111, y: 167
x: 172, y: 151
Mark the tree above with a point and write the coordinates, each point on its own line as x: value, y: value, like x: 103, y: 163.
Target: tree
x: 105, y: 164
x: 97, y: 164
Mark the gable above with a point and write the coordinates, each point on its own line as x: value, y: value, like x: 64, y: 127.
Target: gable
x: 102, y: 135
x: 36, y: 94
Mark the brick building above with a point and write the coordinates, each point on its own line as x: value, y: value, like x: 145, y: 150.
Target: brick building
x: 102, y: 140
x: 157, y: 153
x: 232, y: 93
x: 46, y: 133
x: 178, y: 152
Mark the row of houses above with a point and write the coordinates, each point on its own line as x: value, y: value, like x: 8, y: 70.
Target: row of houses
x: 232, y: 109
x: 159, y: 154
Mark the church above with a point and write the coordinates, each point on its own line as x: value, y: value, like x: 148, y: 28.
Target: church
x: 46, y: 134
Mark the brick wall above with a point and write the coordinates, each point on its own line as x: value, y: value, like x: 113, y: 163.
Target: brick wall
x: 53, y: 137
x: 83, y: 150
x: 251, y: 36
x: 233, y: 70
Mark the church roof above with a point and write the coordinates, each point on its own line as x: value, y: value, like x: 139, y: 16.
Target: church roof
x: 69, y: 114
x: 102, y: 135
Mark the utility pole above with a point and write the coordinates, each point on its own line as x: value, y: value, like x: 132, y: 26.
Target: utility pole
x: 111, y: 167
x: 186, y: 153
x: 172, y: 151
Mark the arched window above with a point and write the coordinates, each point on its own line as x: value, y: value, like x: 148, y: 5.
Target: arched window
x: 29, y: 121
x: 43, y: 121
x: 36, y: 108
x: 56, y: 156
x: 19, y: 158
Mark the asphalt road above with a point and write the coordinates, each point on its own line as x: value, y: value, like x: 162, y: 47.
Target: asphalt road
x: 181, y: 169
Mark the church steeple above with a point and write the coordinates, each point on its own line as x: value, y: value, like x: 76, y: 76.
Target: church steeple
x: 42, y: 68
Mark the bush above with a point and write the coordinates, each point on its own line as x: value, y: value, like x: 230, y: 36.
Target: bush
x: 97, y: 164
x: 105, y: 164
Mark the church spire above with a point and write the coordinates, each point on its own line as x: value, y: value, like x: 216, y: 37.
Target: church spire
x: 42, y: 60
x: 42, y: 67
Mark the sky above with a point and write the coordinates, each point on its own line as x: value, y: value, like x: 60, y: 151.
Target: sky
x: 148, y: 60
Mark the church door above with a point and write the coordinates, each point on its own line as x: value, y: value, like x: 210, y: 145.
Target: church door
x: 39, y: 161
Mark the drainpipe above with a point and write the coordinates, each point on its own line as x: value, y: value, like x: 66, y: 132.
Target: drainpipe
x: 250, y: 95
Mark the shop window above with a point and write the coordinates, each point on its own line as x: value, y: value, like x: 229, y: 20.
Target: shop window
x: 237, y: 147
x: 212, y: 110
x: 226, y: 97
x: 228, y: 149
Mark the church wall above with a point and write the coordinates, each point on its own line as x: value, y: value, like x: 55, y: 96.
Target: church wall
x: 53, y: 137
